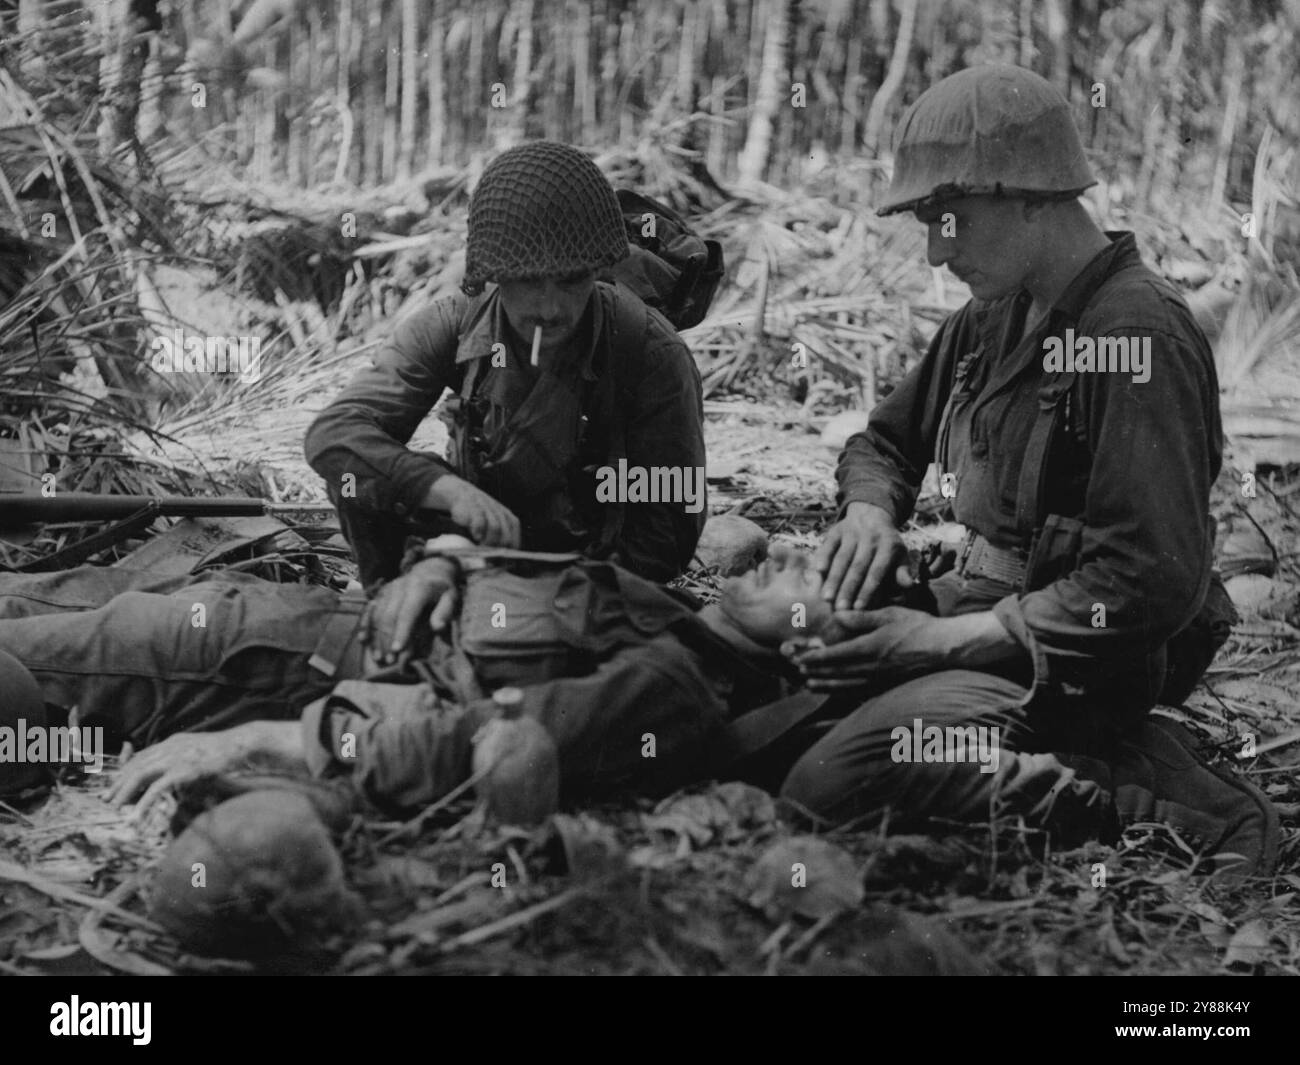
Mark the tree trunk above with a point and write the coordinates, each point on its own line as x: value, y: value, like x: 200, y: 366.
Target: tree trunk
x: 372, y: 100
x: 1027, y: 33
x: 560, y: 105
x: 1233, y: 70
x: 851, y: 107
x: 627, y: 52
x: 260, y: 17
x: 609, y: 71
x: 392, y: 80
x: 693, y: 26
x: 474, y: 103
x: 348, y: 41
x: 893, y: 78
x: 410, y: 88
x: 771, y: 92
x: 583, y: 94
x: 1054, y: 22
x: 523, y: 72
x: 437, y: 98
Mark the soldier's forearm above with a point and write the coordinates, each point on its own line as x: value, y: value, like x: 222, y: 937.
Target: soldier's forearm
x: 978, y: 640
x: 659, y: 550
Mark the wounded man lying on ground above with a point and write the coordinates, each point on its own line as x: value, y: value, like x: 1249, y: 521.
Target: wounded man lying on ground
x: 635, y: 687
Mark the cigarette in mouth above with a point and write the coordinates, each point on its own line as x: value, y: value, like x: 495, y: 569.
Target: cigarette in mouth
x: 537, y: 342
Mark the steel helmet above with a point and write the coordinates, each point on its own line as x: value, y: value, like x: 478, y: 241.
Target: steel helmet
x: 541, y: 210
x: 999, y: 130
x: 22, y: 707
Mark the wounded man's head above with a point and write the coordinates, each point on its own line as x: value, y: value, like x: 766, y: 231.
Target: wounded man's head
x: 779, y: 600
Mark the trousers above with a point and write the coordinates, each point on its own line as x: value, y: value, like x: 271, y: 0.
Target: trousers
x: 914, y: 750
x: 145, y: 657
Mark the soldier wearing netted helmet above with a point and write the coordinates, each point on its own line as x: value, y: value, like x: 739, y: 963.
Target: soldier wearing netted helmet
x: 557, y: 378
x: 1071, y: 408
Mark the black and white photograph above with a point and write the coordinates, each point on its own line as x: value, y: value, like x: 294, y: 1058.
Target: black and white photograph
x: 661, y: 488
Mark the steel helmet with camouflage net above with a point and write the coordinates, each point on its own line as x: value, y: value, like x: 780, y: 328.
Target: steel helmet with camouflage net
x: 541, y: 210
x: 999, y: 130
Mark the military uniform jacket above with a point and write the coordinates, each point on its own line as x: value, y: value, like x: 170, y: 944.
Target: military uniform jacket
x: 1131, y: 468
x: 628, y: 682
x: 655, y: 420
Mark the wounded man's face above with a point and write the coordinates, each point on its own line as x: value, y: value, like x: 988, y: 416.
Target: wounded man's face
x: 778, y: 601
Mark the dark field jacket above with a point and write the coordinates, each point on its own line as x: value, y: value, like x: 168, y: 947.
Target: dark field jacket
x: 656, y: 420
x: 629, y: 683
x: 1130, y: 472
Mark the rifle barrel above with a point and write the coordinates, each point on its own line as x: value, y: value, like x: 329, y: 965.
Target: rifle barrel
x: 28, y: 509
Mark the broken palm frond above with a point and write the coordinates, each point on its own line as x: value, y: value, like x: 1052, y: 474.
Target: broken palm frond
x: 18, y: 875
x: 1264, y: 321
x: 72, y: 328
x: 106, y: 948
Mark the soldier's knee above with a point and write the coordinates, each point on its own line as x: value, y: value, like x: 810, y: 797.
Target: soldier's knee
x: 826, y: 789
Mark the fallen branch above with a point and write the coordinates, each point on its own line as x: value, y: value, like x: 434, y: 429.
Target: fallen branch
x: 514, y: 920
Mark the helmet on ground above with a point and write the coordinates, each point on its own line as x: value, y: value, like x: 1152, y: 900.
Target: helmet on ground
x: 999, y: 130
x: 541, y: 210
x: 22, y: 708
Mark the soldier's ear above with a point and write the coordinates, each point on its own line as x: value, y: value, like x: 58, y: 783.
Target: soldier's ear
x: 1035, y: 210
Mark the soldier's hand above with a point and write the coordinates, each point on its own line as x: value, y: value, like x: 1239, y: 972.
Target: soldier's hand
x: 890, y: 644
x: 188, y: 755
x: 430, y: 588
x: 857, y: 556
x: 489, y: 522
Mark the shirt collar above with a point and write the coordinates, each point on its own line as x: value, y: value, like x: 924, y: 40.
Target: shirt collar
x: 1121, y: 250
x: 487, y: 325
x: 1119, y: 253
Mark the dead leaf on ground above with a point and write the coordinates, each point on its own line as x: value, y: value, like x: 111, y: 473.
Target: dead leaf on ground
x: 728, y: 812
x: 806, y: 876
x: 591, y: 847
x: 1249, y: 945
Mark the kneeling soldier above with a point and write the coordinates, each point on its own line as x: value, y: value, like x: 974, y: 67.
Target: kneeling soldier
x: 557, y: 376
x: 1073, y: 409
